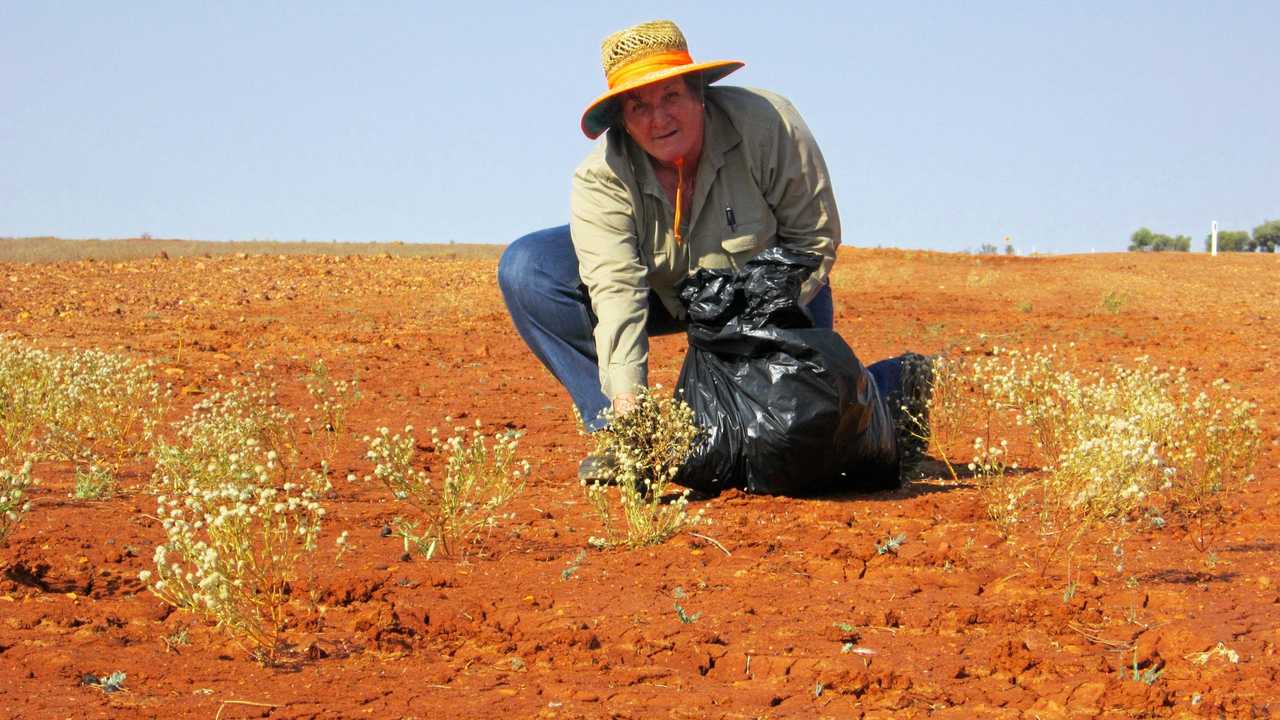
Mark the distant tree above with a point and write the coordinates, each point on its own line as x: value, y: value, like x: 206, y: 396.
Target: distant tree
x: 1164, y: 243
x: 1140, y: 240
x: 1267, y: 236
x: 1229, y: 241
x: 1008, y: 249
x: 988, y: 249
x: 1143, y: 240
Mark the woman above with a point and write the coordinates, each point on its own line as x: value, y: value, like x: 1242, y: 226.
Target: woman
x: 688, y: 176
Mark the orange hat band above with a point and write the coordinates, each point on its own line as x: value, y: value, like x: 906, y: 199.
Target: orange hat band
x: 646, y: 65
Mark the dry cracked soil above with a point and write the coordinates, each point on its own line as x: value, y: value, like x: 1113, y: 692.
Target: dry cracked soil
x: 797, y: 614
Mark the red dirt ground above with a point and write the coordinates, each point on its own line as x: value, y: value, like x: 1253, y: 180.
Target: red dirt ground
x: 952, y: 626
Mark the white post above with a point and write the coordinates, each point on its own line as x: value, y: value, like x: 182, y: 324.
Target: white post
x: 1214, y: 233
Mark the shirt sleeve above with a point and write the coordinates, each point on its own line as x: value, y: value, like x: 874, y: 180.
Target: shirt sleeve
x: 798, y: 188
x: 602, y: 224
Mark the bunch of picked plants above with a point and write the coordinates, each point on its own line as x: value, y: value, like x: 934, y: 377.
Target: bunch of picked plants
x: 646, y: 448
x: 481, y: 474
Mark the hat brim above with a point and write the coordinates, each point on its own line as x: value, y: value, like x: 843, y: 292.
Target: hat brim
x: 599, y: 113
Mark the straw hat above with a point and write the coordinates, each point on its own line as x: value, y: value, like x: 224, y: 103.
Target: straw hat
x: 643, y: 54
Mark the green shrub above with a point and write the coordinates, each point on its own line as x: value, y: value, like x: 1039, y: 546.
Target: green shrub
x: 94, y: 483
x: 1231, y: 241
x: 1267, y: 236
x: 14, y: 504
x: 1143, y: 240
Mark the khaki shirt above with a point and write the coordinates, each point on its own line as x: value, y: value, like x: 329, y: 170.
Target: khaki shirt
x: 758, y: 158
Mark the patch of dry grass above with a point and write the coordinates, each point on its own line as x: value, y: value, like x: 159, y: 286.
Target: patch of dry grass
x: 52, y: 249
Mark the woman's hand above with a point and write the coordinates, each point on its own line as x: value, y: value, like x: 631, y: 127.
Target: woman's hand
x: 624, y: 403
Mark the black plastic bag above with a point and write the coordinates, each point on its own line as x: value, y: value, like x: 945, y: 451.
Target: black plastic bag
x: 786, y: 407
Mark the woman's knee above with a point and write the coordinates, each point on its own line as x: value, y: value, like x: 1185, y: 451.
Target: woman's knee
x: 515, y: 264
x: 522, y: 262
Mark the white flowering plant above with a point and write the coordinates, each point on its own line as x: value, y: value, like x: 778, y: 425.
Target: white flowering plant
x: 218, y: 443
x: 103, y: 406
x: 94, y: 482
x: 331, y: 400
x: 232, y: 550
x: 481, y: 475
x: 1208, y: 458
x: 14, y: 504
x: 87, y: 407
x: 999, y: 481
x: 1108, y: 444
x: 951, y: 411
x: 25, y: 385
x: 646, y: 446
x: 961, y: 406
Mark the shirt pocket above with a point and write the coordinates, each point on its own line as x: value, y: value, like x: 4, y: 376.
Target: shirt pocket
x: 746, y: 242
x: 657, y: 260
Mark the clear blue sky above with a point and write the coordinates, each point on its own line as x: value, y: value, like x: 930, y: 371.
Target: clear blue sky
x: 945, y: 125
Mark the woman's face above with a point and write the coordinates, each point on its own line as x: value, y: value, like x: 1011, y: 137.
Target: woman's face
x: 665, y: 119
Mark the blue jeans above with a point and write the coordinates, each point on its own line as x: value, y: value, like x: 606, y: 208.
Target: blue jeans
x: 538, y: 275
